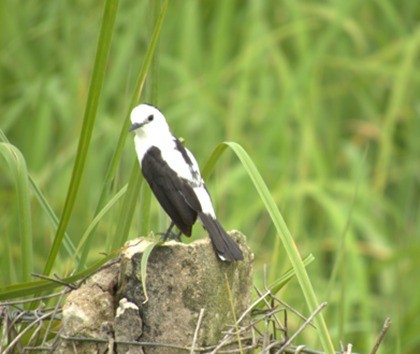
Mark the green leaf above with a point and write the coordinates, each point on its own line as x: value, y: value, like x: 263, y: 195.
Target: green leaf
x: 134, y: 186
x: 96, y: 221
x: 68, y: 243
x: 279, y: 283
x: 143, y: 271
x: 17, y: 167
x: 19, y: 290
x: 282, y: 231
x: 129, y: 205
x: 95, y: 89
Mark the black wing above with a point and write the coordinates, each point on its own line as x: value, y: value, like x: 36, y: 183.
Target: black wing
x: 174, y: 194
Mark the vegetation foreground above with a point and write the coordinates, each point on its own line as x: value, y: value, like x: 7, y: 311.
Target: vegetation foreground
x: 317, y: 104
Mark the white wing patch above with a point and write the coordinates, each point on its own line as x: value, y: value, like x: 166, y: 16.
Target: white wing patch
x: 194, y: 167
x: 176, y: 161
x: 191, y: 173
x: 205, y: 201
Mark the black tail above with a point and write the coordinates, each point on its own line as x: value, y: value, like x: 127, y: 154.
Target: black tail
x: 225, y: 247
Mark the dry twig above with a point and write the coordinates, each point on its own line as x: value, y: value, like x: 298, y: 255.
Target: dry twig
x: 385, y: 328
x: 197, y: 328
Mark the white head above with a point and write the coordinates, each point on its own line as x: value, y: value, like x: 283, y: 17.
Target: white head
x: 148, y: 121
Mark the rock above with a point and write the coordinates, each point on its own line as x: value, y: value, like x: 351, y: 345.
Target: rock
x: 127, y: 326
x: 89, y: 312
x: 182, y: 279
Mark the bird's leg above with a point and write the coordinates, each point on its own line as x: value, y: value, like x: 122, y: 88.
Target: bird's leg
x: 171, y: 234
x: 176, y: 235
x: 168, y: 232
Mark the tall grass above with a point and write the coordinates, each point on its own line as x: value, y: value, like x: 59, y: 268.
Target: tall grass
x: 323, y: 96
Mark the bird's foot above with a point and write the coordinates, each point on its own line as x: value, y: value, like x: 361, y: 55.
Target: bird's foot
x: 170, y: 234
x: 173, y: 236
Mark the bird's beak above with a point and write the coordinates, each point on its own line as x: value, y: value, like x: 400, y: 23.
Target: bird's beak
x: 135, y: 126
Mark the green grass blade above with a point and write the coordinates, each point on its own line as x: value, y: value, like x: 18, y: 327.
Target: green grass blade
x: 211, y: 162
x: 128, y: 207
x: 68, y: 243
x: 279, y: 283
x: 95, y: 89
x: 136, y: 178
x: 19, y: 290
x: 148, y: 250
x: 283, y: 232
x: 152, y: 91
x: 401, y: 85
x: 17, y: 166
x: 145, y: 201
x: 115, y: 160
x: 96, y: 221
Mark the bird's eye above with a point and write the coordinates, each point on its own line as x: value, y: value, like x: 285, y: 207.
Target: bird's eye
x: 150, y: 118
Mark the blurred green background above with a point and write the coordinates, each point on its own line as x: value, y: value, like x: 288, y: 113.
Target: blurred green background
x: 324, y: 96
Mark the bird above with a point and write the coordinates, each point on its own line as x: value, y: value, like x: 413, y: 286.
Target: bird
x: 173, y: 175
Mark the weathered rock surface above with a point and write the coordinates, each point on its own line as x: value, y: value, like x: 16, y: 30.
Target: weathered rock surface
x: 89, y: 312
x: 128, y: 326
x: 182, y: 279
